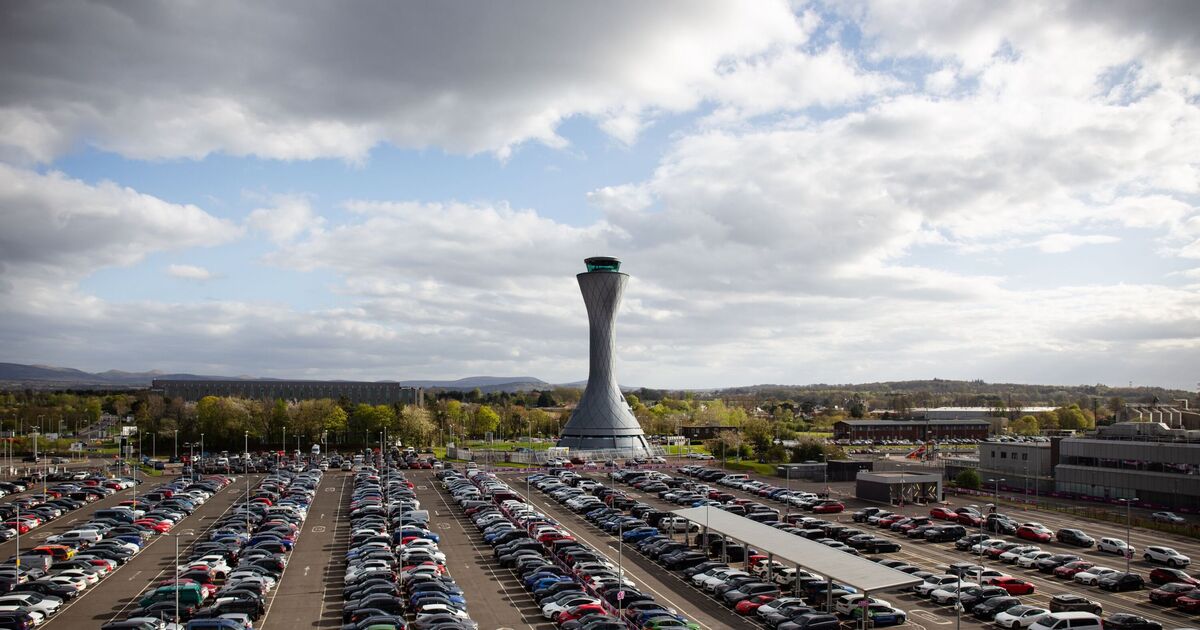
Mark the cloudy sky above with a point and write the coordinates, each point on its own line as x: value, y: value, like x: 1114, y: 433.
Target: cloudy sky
x: 800, y: 192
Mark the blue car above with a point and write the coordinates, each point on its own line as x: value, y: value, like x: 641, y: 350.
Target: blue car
x: 635, y: 535
x: 547, y: 581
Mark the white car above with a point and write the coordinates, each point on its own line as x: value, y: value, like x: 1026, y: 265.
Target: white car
x: 846, y: 603
x: 700, y: 579
x: 982, y: 546
x: 1114, y: 545
x: 1029, y: 560
x: 1167, y: 556
x: 711, y: 584
x: 948, y: 594
x: 1168, y: 517
x: 41, y: 603
x: 1014, y: 554
x: 87, y: 576
x: 74, y: 537
x: 1092, y: 576
x: 934, y: 582
x: 551, y: 611
x: 1019, y: 617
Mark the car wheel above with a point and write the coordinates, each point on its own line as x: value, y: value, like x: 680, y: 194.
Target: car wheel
x: 1096, y: 611
x: 1172, y: 563
x: 1015, y: 625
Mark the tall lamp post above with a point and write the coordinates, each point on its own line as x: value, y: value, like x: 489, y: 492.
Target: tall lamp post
x: 1128, y: 519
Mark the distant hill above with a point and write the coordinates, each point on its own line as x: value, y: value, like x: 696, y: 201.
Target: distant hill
x: 16, y: 375
x: 485, y: 384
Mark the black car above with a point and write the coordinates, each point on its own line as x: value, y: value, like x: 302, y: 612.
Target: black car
x: 1074, y: 537
x: 1122, y: 582
x: 1050, y: 563
x: 1126, y: 621
x: 1069, y: 602
x: 988, y: 608
x: 880, y: 545
x: 945, y: 533
x: 966, y: 542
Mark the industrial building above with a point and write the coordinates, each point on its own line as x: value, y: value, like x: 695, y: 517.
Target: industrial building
x: 897, y: 488
x: 911, y: 429
x: 354, y: 391
x: 1147, y: 461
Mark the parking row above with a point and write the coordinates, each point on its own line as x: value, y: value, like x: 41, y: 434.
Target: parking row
x: 575, y: 585
x: 396, y: 575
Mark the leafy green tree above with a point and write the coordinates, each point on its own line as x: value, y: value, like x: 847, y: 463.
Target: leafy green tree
x: 486, y: 419
x: 1116, y: 405
x: 1073, y: 417
x: 968, y: 478
x: 414, y: 426
x: 546, y: 399
x: 1025, y: 425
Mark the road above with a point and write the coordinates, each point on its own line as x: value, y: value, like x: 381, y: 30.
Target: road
x: 309, y: 593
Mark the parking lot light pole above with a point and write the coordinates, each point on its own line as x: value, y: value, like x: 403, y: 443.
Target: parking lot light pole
x: 1128, y: 547
x: 176, y: 580
x: 620, y: 568
x: 787, y: 505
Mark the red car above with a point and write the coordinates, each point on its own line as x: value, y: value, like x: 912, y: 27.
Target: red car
x: 887, y: 521
x: 970, y: 520
x: 20, y: 526
x: 828, y: 507
x: 1014, y: 586
x: 1189, y: 601
x: 579, y: 611
x: 1168, y: 593
x: 944, y: 514
x: 1068, y: 570
x: 1036, y: 534
x: 749, y: 606
x: 1163, y: 575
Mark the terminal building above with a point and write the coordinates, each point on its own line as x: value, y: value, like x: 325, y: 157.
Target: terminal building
x: 1147, y: 461
x: 355, y: 391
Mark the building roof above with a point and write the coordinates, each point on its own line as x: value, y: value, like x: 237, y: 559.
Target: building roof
x: 838, y: 566
x: 910, y: 421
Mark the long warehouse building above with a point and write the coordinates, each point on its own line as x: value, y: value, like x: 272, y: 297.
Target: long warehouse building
x: 355, y: 391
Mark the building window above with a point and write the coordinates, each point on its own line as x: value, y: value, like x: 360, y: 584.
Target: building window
x: 1003, y: 455
x: 1025, y: 457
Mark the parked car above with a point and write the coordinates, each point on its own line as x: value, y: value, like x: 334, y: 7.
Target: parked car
x: 1115, y: 546
x: 1019, y: 617
x: 1122, y: 582
x: 1127, y: 621
x: 1167, y: 556
x: 1070, y: 602
x: 1074, y: 537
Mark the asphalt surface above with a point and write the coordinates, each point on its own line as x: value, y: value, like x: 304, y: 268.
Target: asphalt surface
x: 930, y: 556
x: 309, y: 593
x: 117, y: 594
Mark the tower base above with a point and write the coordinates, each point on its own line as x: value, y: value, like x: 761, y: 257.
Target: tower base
x: 620, y: 445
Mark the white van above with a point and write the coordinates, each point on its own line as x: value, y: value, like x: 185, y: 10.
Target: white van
x: 1068, y: 621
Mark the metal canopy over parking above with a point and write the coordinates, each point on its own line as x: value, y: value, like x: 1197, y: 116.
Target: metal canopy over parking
x: 831, y: 563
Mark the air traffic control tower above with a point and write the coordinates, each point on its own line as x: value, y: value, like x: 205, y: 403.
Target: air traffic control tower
x: 603, y: 420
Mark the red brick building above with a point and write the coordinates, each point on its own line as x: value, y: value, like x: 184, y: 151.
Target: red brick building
x: 913, y: 429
